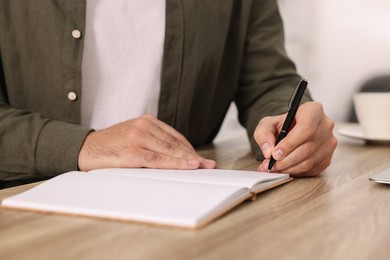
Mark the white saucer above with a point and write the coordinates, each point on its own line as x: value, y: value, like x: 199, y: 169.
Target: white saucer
x: 355, y: 131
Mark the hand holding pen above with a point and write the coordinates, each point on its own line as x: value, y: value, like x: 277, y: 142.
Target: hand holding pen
x: 307, y: 133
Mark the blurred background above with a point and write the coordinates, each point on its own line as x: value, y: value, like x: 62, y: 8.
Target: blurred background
x: 337, y: 45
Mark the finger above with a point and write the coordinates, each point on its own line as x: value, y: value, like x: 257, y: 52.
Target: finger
x: 170, y: 139
x: 266, y: 132
x: 170, y: 136
x: 169, y: 149
x: 150, y: 142
x: 263, y: 167
x: 149, y: 159
x: 296, y: 157
x: 174, y: 148
x: 322, y: 140
x: 168, y: 129
x: 313, y: 164
x: 309, y: 167
x: 302, y: 131
x: 148, y: 124
x: 208, y: 164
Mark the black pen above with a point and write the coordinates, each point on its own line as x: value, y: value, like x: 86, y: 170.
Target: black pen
x: 293, y: 107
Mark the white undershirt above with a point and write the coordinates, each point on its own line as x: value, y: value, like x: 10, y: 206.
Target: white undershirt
x: 123, y: 50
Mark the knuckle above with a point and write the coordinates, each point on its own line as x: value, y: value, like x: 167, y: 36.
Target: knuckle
x: 286, y: 146
x: 320, y: 168
x: 265, y: 119
x: 308, y: 130
x: 151, y: 157
x: 307, y: 165
x: 310, y: 148
x: 136, y: 133
x: 169, y: 147
x: 319, y: 107
x: 181, y: 139
x: 257, y: 135
x: 148, y: 117
x: 180, y: 135
x: 185, y: 154
x: 171, y: 143
x: 327, y: 163
x: 172, y: 140
x: 334, y: 143
x: 142, y: 122
x: 176, y: 142
x: 330, y: 124
x: 260, y: 131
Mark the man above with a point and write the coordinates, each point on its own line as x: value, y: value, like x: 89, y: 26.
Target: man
x: 79, y: 80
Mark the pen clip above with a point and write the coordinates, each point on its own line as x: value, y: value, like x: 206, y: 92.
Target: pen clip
x: 294, y: 93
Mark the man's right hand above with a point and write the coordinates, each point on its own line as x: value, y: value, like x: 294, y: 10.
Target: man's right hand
x: 141, y: 142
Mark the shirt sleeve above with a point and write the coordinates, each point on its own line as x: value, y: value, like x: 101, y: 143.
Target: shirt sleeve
x: 32, y: 146
x: 268, y: 77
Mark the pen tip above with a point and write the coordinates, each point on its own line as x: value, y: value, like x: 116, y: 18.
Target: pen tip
x: 268, y: 170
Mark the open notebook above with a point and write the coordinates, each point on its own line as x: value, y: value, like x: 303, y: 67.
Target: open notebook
x: 183, y: 198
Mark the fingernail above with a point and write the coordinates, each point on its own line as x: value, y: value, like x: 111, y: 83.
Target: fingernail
x: 210, y: 162
x: 266, y: 149
x: 261, y: 167
x: 265, y: 164
x: 278, y: 154
x: 193, y: 163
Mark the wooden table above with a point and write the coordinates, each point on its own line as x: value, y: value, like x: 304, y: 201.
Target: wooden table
x: 338, y: 215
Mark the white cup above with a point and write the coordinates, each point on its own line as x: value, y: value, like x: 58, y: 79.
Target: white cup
x: 373, y: 114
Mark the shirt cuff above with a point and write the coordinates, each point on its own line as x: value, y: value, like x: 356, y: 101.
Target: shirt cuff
x: 58, y: 147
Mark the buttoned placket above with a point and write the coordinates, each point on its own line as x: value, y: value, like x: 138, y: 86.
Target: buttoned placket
x: 172, y: 62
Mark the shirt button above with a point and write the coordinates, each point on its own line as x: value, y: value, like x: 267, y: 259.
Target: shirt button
x: 76, y: 34
x: 72, y: 96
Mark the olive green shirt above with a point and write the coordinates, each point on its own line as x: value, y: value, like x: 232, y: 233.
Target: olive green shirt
x: 215, y: 52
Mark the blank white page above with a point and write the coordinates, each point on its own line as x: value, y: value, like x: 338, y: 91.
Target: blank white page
x: 211, y: 176
x: 130, y: 198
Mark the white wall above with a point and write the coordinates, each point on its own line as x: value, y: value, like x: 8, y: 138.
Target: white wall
x: 338, y: 45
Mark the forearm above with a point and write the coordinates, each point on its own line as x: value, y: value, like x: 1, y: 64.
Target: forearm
x: 268, y: 77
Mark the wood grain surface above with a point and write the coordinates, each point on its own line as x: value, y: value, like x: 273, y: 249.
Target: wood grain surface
x: 337, y: 215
